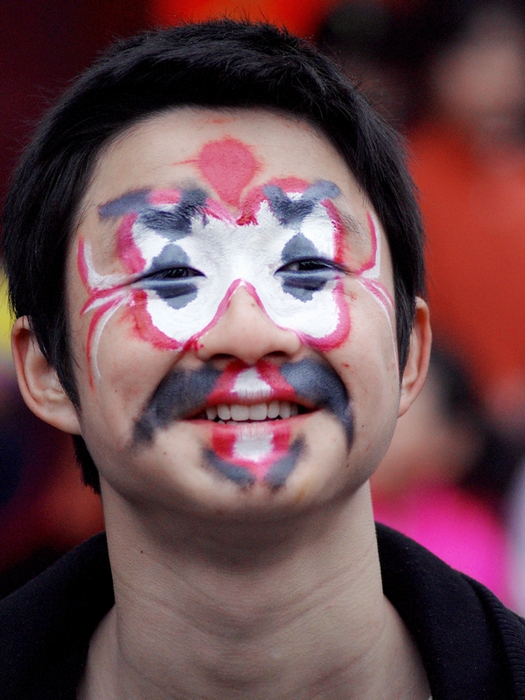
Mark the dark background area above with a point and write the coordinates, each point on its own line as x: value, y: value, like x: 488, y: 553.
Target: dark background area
x: 43, y: 45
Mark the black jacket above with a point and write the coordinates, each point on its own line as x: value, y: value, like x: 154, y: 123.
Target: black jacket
x: 472, y: 647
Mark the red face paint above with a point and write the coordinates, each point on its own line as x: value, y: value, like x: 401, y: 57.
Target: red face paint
x: 229, y: 166
x: 269, y: 384
x: 127, y: 250
x: 254, y: 447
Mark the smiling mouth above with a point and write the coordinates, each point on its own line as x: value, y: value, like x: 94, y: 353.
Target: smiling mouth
x: 260, y: 412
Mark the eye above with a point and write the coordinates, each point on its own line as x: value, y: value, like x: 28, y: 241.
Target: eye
x: 174, y: 273
x: 311, y: 265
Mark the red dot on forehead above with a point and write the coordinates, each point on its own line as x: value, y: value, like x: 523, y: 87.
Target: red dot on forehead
x: 229, y: 166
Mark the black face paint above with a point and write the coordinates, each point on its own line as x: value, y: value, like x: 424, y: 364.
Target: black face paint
x: 133, y: 201
x: 171, y: 277
x: 176, y: 222
x: 281, y: 470
x: 240, y: 475
x: 184, y: 393
x: 181, y: 394
x: 292, y: 212
x: 312, y: 271
x: 276, y: 476
x: 321, y: 386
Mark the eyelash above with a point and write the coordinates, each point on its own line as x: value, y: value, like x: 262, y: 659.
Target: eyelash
x: 308, y: 265
x: 311, y: 265
x: 174, y: 273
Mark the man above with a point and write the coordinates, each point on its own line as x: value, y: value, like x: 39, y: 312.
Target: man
x: 215, y: 260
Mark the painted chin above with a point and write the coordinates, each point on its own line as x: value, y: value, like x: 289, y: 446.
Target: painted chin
x: 264, y: 453
x: 257, y: 451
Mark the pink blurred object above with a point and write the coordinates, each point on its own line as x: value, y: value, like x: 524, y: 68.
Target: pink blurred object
x: 458, y: 527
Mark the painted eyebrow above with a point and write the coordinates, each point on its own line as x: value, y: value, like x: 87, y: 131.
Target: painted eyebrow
x: 177, y: 222
x: 125, y: 203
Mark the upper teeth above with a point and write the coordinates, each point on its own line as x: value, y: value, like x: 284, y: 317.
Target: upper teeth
x: 259, y: 411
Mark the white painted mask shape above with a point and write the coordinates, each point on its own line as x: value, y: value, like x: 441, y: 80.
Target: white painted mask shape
x: 185, y: 255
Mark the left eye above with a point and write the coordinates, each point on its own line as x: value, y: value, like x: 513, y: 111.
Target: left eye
x: 311, y: 265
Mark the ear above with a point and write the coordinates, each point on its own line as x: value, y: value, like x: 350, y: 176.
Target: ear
x: 418, y: 357
x: 38, y: 381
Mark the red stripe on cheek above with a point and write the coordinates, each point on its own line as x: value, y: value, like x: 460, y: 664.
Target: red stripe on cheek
x: 143, y: 327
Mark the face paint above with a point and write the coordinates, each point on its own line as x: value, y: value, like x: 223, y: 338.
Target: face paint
x: 229, y: 166
x: 180, y: 395
x: 369, y: 277
x: 255, y: 451
x: 185, y: 256
x: 255, y: 455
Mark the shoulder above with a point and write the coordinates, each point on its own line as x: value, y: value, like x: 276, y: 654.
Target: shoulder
x: 45, y: 626
x: 471, y: 645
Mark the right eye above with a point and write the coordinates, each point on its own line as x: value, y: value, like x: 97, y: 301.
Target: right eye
x: 174, y: 273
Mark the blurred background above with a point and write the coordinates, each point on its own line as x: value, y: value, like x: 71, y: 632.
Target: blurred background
x: 450, y: 76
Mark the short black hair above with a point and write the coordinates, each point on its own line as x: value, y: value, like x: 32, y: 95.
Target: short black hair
x: 218, y: 64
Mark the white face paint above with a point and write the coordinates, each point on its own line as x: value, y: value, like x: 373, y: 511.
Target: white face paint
x: 369, y: 276
x: 188, y: 255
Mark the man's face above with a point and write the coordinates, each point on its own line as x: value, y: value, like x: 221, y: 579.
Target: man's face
x: 232, y: 323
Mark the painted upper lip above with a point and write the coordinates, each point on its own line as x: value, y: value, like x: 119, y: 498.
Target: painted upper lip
x: 228, y: 397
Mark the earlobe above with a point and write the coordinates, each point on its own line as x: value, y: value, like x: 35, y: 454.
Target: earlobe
x: 38, y: 381
x: 418, y: 357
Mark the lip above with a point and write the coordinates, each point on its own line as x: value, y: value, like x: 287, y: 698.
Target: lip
x: 232, y: 397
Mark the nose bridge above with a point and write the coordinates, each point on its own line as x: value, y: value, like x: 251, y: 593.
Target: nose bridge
x: 245, y: 331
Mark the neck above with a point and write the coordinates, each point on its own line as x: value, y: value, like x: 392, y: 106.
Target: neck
x: 217, y: 611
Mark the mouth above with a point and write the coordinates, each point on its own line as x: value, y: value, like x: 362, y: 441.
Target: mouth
x: 252, y: 413
x: 272, y: 397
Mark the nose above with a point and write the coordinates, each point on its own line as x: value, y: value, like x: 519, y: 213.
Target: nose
x: 246, y: 333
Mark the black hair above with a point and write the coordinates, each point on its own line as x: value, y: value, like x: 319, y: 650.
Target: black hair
x: 217, y: 64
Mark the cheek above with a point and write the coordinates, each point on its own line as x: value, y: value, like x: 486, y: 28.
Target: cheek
x: 110, y: 347
x: 368, y: 365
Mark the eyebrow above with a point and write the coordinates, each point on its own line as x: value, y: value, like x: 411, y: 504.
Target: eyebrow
x: 178, y: 221
x: 125, y: 203
x: 353, y: 225
x: 133, y: 200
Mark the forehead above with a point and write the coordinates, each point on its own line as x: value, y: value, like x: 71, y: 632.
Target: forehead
x: 186, y: 147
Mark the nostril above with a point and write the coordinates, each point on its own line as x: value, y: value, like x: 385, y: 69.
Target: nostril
x: 277, y: 355
x: 223, y: 357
